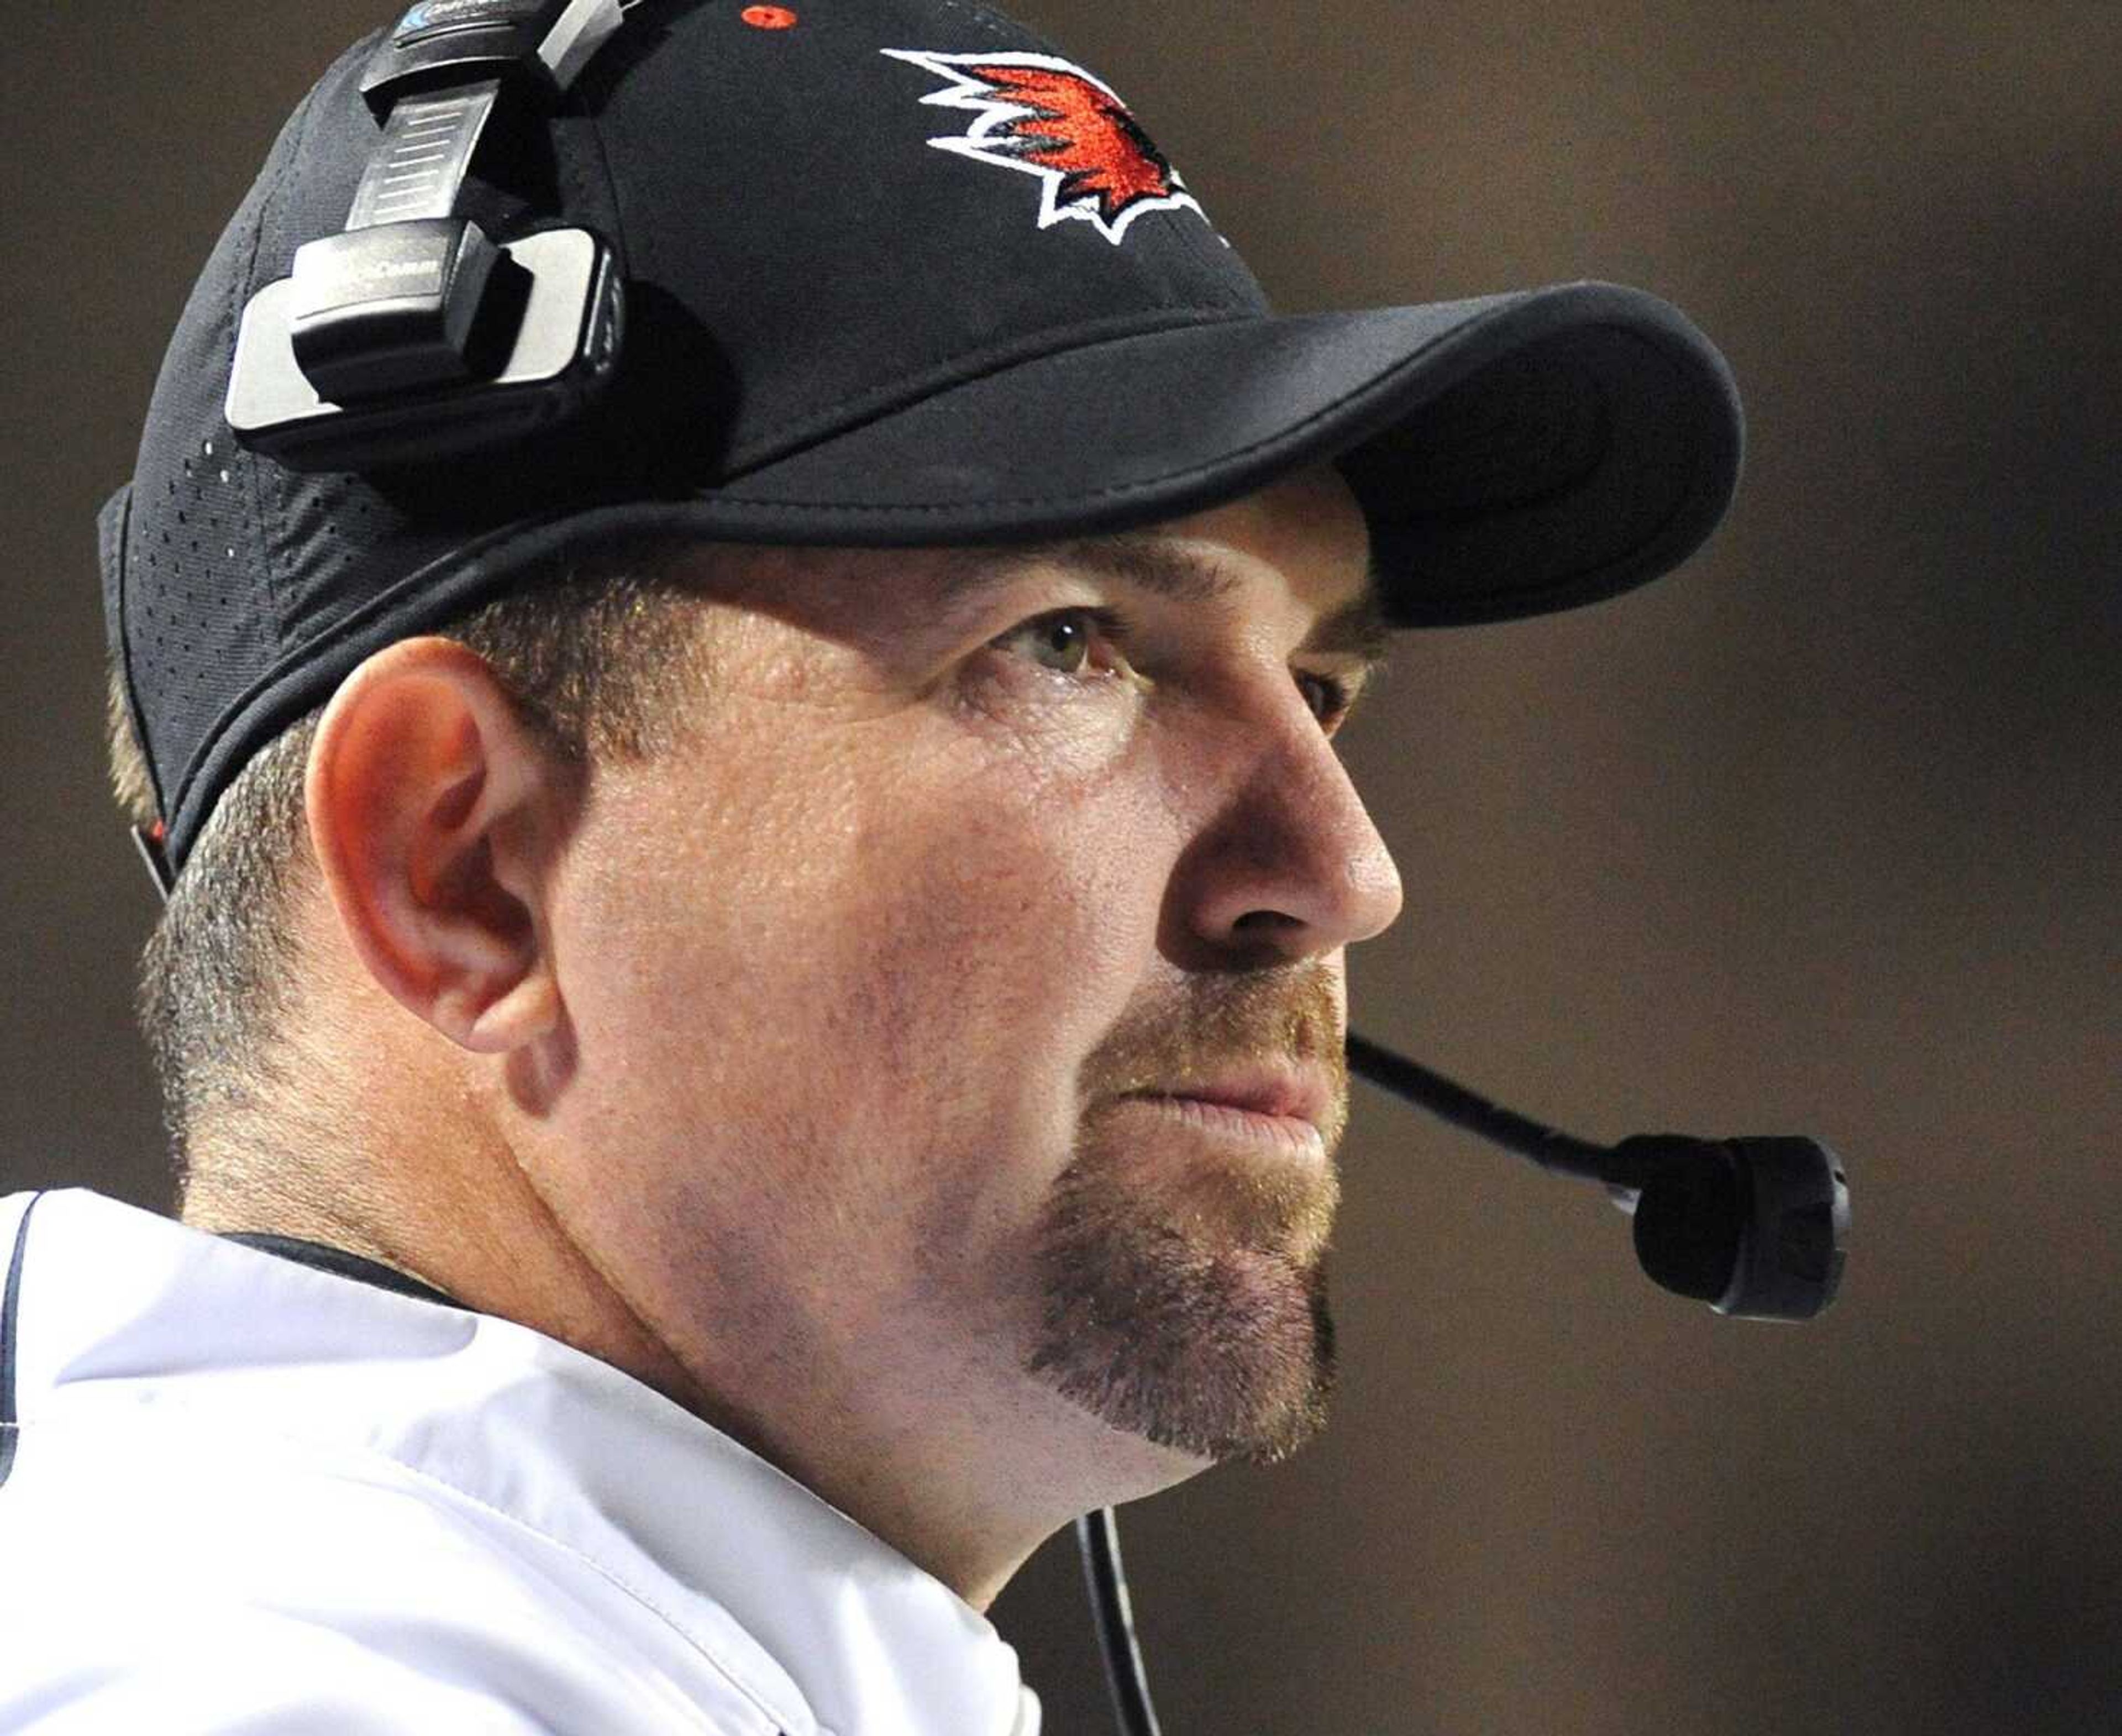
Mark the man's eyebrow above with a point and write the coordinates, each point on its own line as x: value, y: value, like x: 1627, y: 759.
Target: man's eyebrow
x: 1163, y: 569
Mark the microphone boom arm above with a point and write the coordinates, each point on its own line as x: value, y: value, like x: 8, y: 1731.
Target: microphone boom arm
x: 1755, y: 1227
x: 1558, y: 1153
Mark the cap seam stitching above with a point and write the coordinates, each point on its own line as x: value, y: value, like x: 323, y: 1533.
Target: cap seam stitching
x: 789, y: 435
x: 1207, y: 240
x: 1000, y: 29
x: 271, y: 537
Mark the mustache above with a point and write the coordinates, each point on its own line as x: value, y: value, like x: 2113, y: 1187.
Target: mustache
x: 1223, y: 1024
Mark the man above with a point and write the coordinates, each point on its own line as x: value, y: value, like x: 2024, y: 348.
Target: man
x: 752, y: 1001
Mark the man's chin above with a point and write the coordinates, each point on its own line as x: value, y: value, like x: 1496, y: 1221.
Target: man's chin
x: 1223, y: 1353
x: 1279, y: 1391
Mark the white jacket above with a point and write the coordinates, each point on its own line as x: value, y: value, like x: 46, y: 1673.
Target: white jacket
x: 237, y: 1492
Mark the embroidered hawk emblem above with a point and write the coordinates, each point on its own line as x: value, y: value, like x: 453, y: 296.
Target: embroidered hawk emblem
x: 1049, y: 117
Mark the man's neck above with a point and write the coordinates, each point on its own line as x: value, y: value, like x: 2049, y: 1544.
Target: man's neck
x: 926, y: 1464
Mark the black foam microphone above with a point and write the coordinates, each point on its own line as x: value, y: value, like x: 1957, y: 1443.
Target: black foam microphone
x: 1755, y: 1227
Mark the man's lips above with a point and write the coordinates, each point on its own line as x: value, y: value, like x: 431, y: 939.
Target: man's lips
x: 1277, y: 1090
x: 1289, y: 1135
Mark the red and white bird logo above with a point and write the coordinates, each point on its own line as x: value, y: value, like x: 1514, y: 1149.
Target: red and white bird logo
x: 1051, y: 118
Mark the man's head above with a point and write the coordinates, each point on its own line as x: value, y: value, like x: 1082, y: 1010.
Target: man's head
x: 817, y: 1029
x: 764, y: 957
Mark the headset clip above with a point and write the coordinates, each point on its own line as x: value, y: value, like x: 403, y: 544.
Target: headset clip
x: 411, y: 335
x: 452, y: 42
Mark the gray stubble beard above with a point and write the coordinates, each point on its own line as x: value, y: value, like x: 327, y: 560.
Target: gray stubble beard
x: 1221, y: 1349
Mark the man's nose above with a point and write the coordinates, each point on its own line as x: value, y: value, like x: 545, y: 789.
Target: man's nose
x: 1293, y: 859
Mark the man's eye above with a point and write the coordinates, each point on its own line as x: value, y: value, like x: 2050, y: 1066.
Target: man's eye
x: 1334, y: 700
x: 1061, y: 634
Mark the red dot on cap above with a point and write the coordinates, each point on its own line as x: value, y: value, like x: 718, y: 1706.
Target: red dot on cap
x: 768, y: 17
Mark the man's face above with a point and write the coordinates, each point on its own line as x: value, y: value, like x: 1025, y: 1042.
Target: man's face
x: 859, y: 982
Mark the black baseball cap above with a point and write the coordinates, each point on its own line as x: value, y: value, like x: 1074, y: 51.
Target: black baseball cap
x: 896, y: 272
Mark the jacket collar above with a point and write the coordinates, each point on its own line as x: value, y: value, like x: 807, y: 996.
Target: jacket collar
x: 841, y: 1634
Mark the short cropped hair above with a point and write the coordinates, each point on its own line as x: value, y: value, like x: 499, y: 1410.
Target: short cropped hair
x: 601, y: 655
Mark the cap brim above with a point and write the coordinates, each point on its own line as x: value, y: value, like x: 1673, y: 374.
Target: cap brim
x: 1514, y: 455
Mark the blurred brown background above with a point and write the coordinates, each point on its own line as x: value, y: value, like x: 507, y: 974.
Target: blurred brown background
x: 1820, y: 834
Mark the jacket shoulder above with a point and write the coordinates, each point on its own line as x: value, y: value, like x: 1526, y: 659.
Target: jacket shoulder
x: 149, y: 1585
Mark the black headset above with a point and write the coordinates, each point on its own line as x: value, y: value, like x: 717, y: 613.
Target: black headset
x: 412, y: 335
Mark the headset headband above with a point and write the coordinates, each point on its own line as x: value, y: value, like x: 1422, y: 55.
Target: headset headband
x: 410, y: 334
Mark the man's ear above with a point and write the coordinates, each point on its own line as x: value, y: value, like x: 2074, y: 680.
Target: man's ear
x: 436, y: 815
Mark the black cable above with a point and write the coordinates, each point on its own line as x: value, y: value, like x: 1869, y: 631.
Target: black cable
x: 1098, y: 1539
x: 1559, y: 1152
